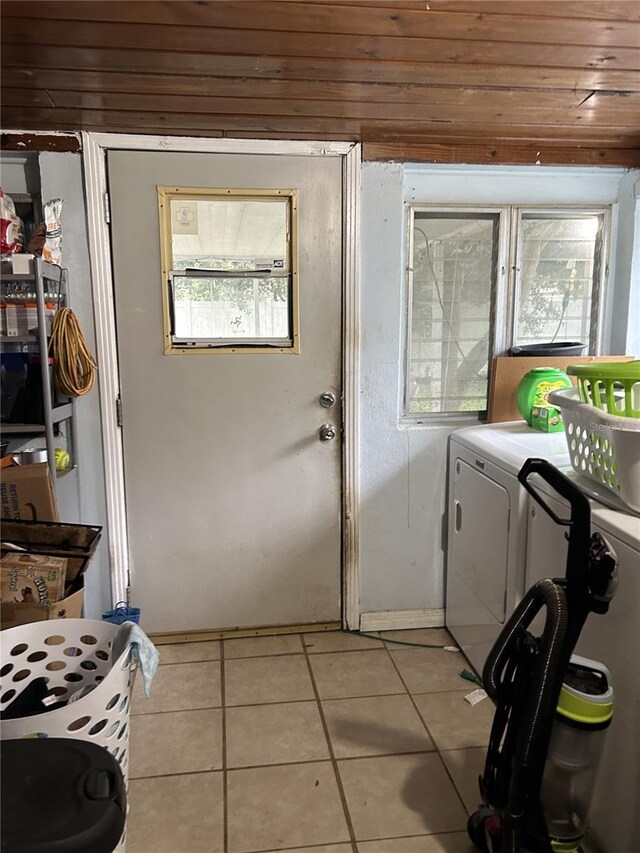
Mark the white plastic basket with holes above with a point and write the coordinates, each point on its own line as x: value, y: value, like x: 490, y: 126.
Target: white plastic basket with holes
x: 70, y: 654
x: 604, y: 447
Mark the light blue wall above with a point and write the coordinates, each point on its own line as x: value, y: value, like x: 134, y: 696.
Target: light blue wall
x: 625, y: 304
x: 81, y: 498
x: 403, y: 468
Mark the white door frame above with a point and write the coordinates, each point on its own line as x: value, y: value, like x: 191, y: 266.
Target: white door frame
x: 94, y: 150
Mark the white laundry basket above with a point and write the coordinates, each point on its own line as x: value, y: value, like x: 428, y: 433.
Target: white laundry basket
x: 602, y: 446
x: 70, y: 654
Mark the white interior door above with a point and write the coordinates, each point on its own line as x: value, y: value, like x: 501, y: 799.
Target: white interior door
x: 233, y: 501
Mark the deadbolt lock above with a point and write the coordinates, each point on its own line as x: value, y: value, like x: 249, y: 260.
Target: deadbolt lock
x: 327, y: 399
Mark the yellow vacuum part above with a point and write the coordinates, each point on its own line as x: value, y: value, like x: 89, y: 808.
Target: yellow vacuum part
x: 582, y: 711
x: 565, y: 846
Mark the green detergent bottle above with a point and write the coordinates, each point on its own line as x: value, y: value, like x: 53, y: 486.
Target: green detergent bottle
x: 532, y: 395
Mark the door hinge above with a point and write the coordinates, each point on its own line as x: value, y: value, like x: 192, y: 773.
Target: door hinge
x: 106, y: 208
x: 119, y: 410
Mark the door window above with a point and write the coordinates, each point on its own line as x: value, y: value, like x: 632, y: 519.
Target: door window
x: 229, y: 269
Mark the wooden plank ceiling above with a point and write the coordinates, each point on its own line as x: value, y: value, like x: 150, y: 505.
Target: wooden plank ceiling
x: 445, y: 80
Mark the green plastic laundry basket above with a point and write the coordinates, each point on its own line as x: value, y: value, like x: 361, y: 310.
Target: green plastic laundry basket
x: 613, y: 387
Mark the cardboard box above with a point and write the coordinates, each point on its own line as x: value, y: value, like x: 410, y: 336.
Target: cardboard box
x: 75, y: 542
x: 32, y: 578
x: 26, y: 492
x: 69, y: 607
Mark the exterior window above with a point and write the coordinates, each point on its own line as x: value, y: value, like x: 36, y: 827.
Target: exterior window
x: 229, y: 267
x: 454, y: 258
x: 482, y: 280
x: 558, y: 277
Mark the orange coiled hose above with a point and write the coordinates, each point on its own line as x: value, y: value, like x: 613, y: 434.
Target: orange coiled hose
x: 74, y: 366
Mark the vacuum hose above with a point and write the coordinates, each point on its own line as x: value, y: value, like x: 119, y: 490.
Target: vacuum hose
x: 534, y: 729
x: 549, y: 594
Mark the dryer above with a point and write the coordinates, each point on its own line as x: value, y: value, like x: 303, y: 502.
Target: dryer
x: 486, y: 528
x: 613, y: 639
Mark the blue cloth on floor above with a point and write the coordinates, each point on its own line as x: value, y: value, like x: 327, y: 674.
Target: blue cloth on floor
x: 143, y: 650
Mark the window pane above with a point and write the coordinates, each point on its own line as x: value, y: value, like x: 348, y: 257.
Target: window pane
x: 231, y: 308
x: 449, y: 337
x: 229, y: 233
x: 557, y: 276
x: 230, y: 264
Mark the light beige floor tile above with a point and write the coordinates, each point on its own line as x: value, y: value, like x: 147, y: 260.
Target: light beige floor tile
x: 340, y: 676
x: 453, y: 722
x: 176, y: 814
x: 338, y: 641
x: 430, y: 636
x: 382, y: 725
x: 451, y: 842
x: 465, y: 765
x: 275, y: 734
x: 400, y: 795
x: 177, y: 742
x: 431, y: 670
x: 253, y: 681
x: 286, y: 806
x: 185, y: 652
x: 331, y: 848
x: 179, y: 687
x: 250, y: 647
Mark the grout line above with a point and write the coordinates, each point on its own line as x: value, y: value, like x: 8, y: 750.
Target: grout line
x: 313, y: 847
x: 379, y: 648
x: 177, y: 711
x: 178, y: 773
x: 298, y: 701
x: 334, y: 763
x: 327, y: 760
x: 225, y: 798
x: 431, y: 737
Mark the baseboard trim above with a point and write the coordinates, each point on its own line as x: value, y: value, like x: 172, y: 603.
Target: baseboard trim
x: 391, y: 620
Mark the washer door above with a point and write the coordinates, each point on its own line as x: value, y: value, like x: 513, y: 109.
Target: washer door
x: 480, y: 538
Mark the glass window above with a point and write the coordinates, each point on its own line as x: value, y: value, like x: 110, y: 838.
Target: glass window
x: 229, y: 263
x: 559, y: 268
x: 454, y: 270
x: 482, y: 280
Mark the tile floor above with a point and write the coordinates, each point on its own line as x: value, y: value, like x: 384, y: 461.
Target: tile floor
x: 306, y: 743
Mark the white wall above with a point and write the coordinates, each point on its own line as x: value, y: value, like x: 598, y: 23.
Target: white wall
x: 625, y: 307
x: 404, y: 467
x: 19, y: 172
x: 81, y: 497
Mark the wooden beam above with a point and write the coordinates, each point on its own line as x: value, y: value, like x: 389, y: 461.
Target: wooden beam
x: 542, y: 154
x: 357, y: 128
x: 225, y: 66
x: 64, y: 142
x: 19, y: 83
x: 186, y: 39
x: 455, y: 110
x: 458, y: 22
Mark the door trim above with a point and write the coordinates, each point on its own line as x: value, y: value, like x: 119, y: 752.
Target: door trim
x: 94, y: 150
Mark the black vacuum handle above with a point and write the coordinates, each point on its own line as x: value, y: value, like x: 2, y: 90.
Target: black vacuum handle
x: 579, y: 524
x: 560, y: 484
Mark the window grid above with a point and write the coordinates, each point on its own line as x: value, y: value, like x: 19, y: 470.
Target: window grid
x: 444, y: 376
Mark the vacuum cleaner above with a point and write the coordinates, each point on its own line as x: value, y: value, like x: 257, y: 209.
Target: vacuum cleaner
x: 552, y: 707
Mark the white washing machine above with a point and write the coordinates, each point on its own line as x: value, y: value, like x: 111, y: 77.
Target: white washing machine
x: 614, y: 639
x: 487, y: 525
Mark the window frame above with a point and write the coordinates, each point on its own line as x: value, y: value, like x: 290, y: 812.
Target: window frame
x: 505, y: 291
x: 165, y: 195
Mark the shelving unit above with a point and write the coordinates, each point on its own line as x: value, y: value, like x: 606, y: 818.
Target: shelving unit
x: 42, y: 279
